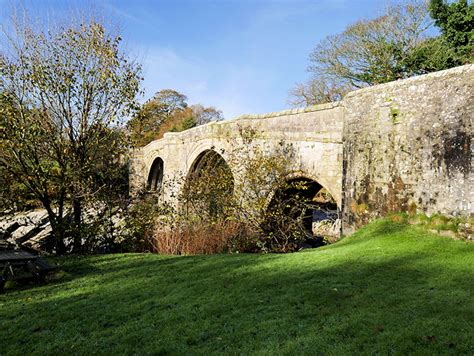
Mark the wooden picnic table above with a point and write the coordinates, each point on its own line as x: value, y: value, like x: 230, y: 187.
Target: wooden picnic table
x: 16, y: 255
x: 19, y: 264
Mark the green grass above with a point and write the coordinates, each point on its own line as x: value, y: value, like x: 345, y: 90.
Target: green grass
x: 388, y: 289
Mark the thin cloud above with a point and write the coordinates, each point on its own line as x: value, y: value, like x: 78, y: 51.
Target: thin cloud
x: 236, y: 88
x: 117, y: 11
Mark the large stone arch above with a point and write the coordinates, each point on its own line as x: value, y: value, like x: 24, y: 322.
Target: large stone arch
x: 198, y: 148
x: 321, y: 181
x: 155, y: 174
x: 210, y: 180
x: 206, y: 158
x: 302, y: 198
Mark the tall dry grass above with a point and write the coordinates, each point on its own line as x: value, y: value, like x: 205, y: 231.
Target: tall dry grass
x: 203, y: 238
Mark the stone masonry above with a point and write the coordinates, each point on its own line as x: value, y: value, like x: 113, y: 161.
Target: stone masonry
x: 408, y: 147
x: 400, y: 146
x: 315, y: 134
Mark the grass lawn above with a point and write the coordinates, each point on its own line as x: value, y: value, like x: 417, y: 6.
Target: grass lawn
x: 390, y: 288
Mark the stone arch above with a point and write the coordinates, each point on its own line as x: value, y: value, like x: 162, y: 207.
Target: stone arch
x: 319, y: 180
x: 155, y: 175
x: 210, y: 180
x: 301, y: 176
x: 303, y: 198
x: 198, y: 149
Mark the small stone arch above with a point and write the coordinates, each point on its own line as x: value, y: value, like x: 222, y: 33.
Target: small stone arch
x: 155, y: 175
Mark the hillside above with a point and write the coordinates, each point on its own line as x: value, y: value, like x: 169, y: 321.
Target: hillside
x: 389, y: 288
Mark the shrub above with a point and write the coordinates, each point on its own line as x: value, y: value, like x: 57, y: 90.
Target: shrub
x: 140, y: 221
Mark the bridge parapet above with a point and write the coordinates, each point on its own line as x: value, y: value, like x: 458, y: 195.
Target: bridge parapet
x: 315, y: 133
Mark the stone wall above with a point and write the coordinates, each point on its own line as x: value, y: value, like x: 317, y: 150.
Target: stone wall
x: 408, y: 147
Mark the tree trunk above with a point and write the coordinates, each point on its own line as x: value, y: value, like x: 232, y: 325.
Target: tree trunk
x: 77, y: 216
x: 57, y: 226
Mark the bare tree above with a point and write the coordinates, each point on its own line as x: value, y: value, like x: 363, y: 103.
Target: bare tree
x: 374, y: 51
x: 317, y: 91
x: 203, y: 115
x: 390, y: 47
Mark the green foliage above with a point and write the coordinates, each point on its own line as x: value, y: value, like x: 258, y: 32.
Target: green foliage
x: 431, y: 55
x: 64, y: 92
x: 145, y: 126
x: 167, y: 111
x: 140, y: 221
x: 188, y: 123
x: 209, y: 189
x: 389, y: 289
x: 456, y: 21
x: 180, y: 121
x: 14, y: 196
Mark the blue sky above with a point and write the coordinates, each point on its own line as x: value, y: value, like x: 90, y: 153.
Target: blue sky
x: 241, y: 56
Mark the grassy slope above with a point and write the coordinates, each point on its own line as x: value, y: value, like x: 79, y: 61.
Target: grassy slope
x: 387, y: 289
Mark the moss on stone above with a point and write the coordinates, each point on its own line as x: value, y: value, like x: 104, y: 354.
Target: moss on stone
x: 395, y: 115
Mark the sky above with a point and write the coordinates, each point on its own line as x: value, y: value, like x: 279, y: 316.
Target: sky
x: 240, y: 56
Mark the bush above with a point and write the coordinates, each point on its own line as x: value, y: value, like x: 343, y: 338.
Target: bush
x: 140, y: 222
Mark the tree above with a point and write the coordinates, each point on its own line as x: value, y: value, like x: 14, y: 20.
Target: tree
x: 373, y: 51
x: 169, y: 101
x: 64, y: 90
x: 144, y: 126
x: 394, y: 46
x: 456, y: 21
x: 179, y: 121
x: 190, y: 117
x: 317, y: 90
x: 167, y: 111
x: 203, y: 115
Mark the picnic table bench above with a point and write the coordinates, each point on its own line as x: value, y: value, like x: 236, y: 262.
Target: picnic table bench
x: 19, y: 264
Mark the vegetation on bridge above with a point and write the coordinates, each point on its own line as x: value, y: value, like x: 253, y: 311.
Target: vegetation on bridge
x: 265, y: 203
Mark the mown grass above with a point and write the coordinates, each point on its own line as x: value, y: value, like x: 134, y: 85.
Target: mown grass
x: 389, y: 289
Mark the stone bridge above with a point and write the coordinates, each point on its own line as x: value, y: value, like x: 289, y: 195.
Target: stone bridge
x: 404, y: 145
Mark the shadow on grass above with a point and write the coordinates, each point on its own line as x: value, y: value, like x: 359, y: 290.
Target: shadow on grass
x: 297, y: 303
